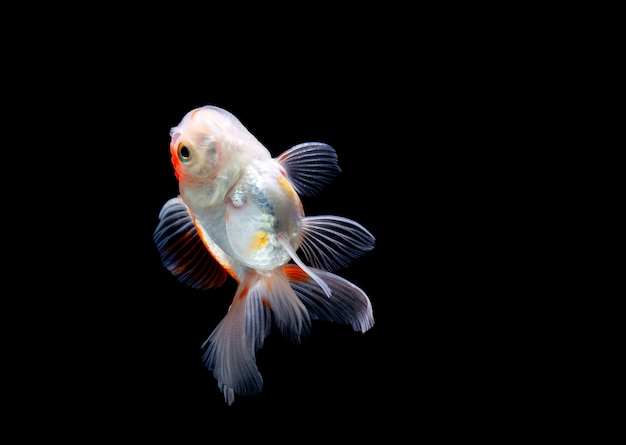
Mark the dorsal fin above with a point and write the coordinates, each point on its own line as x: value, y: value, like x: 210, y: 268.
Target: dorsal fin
x: 310, y: 166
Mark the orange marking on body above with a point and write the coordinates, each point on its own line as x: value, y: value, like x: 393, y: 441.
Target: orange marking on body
x: 229, y: 270
x: 260, y: 240
x: 286, y: 186
x: 244, y: 293
x: 294, y: 273
x: 266, y: 303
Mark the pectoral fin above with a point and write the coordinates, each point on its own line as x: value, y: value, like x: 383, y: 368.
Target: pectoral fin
x: 182, y: 251
x: 331, y: 242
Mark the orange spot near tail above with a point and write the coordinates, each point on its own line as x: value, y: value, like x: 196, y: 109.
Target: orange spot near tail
x: 266, y: 303
x: 294, y: 273
x: 244, y: 293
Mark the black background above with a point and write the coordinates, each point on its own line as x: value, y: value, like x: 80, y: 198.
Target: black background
x: 413, y: 116
x: 335, y: 370
x: 429, y: 357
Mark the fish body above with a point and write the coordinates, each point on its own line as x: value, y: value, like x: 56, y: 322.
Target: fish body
x: 239, y: 214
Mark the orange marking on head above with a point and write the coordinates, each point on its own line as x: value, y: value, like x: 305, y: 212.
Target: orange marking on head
x: 266, y: 303
x: 294, y: 273
x: 176, y: 164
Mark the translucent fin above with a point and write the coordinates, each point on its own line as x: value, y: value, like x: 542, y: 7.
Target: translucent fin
x: 331, y: 242
x: 182, y: 251
x: 310, y: 166
x: 289, y: 313
x: 230, y: 350
x: 229, y: 393
x: 348, y: 304
x: 309, y: 271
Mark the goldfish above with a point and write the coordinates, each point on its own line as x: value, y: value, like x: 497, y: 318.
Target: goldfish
x: 239, y: 214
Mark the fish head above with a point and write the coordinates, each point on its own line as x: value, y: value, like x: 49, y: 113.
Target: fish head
x: 195, y: 147
x: 209, y: 150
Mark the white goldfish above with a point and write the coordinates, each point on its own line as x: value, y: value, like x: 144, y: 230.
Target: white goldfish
x: 239, y: 213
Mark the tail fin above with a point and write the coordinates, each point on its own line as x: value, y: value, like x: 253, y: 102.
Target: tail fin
x: 289, y: 297
x: 230, y: 350
x: 348, y: 303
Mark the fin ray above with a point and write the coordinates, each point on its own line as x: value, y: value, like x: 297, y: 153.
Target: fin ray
x: 182, y: 251
x: 349, y: 304
x: 332, y: 242
x: 310, y: 166
x: 307, y: 269
x: 230, y: 350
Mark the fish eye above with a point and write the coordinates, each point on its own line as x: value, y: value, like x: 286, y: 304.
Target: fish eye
x: 183, y: 153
